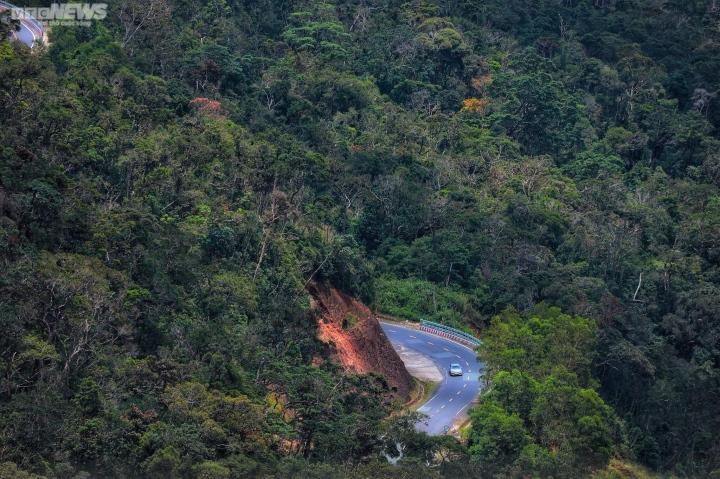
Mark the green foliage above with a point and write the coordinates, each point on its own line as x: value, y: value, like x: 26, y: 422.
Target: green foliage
x: 417, y: 299
x: 9, y: 470
x: 170, y: 184
x: 545, y: 340
x: 541, y: 412
x: 163, y: 463
x: 496, y: 438
x: 8, y: 25
x: 317, y: 30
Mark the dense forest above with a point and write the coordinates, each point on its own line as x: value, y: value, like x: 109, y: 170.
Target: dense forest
x: 545, y: 173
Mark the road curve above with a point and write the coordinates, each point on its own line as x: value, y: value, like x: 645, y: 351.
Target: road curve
x: 454, y: 394
x: 31, y: 31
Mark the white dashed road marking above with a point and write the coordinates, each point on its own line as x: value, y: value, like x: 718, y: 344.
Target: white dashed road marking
x: 461, y: 409
x: 436, y: 395
x: 436, y: 406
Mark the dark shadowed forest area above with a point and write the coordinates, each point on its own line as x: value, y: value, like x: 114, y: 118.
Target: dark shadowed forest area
x: 543, y: 173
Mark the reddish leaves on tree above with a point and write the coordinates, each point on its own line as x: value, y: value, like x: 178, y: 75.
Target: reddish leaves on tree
x: 206, y: 105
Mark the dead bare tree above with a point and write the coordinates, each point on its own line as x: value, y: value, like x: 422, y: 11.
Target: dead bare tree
x: 276, y: 210
x: 269, y: 215
x: 362, y: 15
x: 137, y: 16
x: 637, y: 290
x: 701, y: 99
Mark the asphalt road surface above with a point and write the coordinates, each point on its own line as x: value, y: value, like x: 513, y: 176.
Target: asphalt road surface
x: 453, y: 396
x: 25, y: 34
x: 30, y: 31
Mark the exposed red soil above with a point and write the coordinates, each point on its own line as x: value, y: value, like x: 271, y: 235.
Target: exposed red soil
x: 360, y: 345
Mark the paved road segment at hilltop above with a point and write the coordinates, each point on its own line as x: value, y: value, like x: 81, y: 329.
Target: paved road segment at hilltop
x: 30, y: 30
x: 454, y: 395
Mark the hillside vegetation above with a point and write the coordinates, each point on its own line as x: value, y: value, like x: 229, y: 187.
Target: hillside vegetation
x: 544, y: 172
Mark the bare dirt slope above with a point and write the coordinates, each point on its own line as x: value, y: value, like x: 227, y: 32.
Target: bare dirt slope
x: 360, y: 344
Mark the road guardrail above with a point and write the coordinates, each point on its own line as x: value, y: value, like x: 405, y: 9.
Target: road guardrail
x: 450, y: 333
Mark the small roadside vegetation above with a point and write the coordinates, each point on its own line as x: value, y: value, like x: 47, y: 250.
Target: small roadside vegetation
x: 415, y: 299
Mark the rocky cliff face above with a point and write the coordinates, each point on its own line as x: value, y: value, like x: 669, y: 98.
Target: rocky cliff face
x: 360, y: 345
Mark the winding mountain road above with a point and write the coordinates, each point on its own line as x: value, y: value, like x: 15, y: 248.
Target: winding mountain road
x: 454, y: 394
x: 31, y: 31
